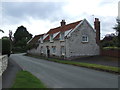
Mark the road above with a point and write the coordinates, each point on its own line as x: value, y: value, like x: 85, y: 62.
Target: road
x: 56, y: 75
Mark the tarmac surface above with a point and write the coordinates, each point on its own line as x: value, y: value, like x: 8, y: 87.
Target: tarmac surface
x: 56, y: 75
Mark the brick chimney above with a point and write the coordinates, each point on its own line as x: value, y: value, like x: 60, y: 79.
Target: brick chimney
x: 97, y: 28
x: 63, y: 22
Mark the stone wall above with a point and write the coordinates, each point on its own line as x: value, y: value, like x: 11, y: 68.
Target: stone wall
x: 3, y: 63
x: 74, y: 45
x: 56, y: 43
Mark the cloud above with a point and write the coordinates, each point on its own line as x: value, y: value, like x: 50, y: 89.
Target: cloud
x: 39, y: 17
x: 14, y: 12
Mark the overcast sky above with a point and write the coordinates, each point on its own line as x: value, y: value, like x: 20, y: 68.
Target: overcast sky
x: 38, y: 16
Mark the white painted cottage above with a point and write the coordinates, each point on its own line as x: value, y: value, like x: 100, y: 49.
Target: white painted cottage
x: 69, y: 40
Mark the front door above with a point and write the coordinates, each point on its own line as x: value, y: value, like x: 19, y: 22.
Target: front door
x: 48, y: 51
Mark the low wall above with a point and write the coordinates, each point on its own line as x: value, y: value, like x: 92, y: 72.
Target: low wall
x: 3, y: 63
x: 110, y: 52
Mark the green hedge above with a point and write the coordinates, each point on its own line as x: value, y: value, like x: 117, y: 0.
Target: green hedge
x: 6, y: 47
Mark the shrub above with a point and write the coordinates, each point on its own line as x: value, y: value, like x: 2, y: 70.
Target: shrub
x: 6, y: 47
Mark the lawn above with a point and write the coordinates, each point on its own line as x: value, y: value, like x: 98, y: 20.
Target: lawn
x: 25, y: 79
x: 87, y: 65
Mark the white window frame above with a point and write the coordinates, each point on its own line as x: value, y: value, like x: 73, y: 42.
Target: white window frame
x: 84, y: 38
x: 51, y: 38
x: 62, y: 35
x: 53, y: 49
x: 63, y: 50
x: 41, y: 49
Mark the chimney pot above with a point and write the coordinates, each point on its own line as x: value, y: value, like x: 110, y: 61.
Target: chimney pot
x: 96, y: 19
x: 63, y: 23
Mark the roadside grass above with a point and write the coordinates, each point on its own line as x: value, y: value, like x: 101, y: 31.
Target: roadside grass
x: 25, y: 79
x: 87, y: 65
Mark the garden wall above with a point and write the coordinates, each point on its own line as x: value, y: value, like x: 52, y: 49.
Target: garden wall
x: 110, y: 52
x: 3, y: 63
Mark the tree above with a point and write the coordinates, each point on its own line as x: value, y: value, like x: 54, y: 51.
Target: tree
x: 110, y: 40
x: 21, y: 37
x: 22, y: 33
x: 117, y: 28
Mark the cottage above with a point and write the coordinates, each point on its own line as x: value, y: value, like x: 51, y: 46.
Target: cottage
x: 69, y: 40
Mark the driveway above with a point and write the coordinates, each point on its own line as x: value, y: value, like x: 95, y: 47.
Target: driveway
x: 56, y: 75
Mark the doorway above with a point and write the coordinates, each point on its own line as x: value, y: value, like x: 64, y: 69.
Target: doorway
x: 48, y: 51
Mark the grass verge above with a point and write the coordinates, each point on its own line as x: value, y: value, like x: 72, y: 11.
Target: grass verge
x: 87, y: 65
x: 25, y: 79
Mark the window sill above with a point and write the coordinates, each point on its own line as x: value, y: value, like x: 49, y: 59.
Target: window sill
x: 53, y: 53
x: 51, y: 41
x: 62, y: 40
x: 84, y: 41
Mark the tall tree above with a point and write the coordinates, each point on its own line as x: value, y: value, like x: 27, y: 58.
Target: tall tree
x: 117, y: 28
x: 22, y: 33
x: 21, y: 36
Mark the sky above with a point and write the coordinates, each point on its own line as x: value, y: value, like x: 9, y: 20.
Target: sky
x: 39, y: 16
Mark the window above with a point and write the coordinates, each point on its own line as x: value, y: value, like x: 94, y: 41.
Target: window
x: 53, y: 49
x: 41, y: 49
x: 62, y: 50
x: 51, y: 38
x: 62, y: 36
x: 41, y: 39
x: 84, y: 38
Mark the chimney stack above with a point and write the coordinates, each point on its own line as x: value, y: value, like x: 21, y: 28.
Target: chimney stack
x: 63, y: 22
x: 97, y: 28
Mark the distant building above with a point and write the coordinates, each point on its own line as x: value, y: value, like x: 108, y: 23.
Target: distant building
x: 69, y: 40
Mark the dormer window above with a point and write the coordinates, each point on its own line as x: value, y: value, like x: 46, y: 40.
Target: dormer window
x: 41, y: 39
x: 62, y: 35
x: 84, y: 38
x: 51, y: 38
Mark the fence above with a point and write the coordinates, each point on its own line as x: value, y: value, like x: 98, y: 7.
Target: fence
x: 110, y: 52
x: 3, y: 63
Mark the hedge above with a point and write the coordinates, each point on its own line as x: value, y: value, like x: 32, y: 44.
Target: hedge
x: 6, y: 47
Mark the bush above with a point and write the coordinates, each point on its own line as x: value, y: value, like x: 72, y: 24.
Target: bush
x: 6, y: 47
x: 18, y: 50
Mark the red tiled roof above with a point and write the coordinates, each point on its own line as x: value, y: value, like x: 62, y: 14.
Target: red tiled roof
x: 35, y: 39
x: 55, y: 30
x: 62, y: 29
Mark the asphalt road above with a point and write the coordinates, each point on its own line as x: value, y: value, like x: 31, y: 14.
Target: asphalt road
x: 56, y: 75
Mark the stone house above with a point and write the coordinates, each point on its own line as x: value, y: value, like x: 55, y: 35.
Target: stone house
x: 69, y: 40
